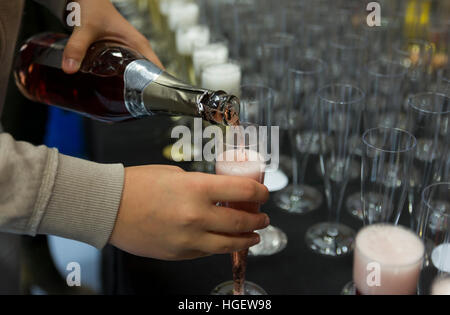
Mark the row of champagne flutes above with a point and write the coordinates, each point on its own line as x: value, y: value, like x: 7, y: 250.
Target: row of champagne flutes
x: 327, y: 124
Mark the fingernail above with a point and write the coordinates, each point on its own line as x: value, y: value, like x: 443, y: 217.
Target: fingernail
x: 71, y: 64
x: 256, y: 239
x: 267, y: 221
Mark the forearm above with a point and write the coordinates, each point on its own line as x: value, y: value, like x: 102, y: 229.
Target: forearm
x: 44, y: 192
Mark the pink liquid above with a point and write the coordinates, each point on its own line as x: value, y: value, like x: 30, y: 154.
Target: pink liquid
x: 387, y: 260
x: 441, y: 286
x: 242, y: 163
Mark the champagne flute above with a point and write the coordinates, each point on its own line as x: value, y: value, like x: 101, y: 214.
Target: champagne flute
x: 346, y: 57
x: 339, y: 111
x: 384, y: 90
x: 305, y: 77
x: 428, y: 120
x: 277, y: 55
x: 434, y: 229
x: 387, y: 156
x: 256, y: 107
x: 415, y: 55
x: 241, y: 157
x: 387, y: 260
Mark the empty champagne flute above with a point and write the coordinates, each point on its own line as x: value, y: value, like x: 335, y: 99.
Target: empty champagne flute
x: 434, y: 229
x: 346, y: 57
x: 339, y: 112
x: 241, y: 156
x: 256, y: 107
x: 305, y: 77
x: 428, y: 120
x: 384, y: 98
x: 387, y: 158
x: 415, y: 55
x: 278, y: 51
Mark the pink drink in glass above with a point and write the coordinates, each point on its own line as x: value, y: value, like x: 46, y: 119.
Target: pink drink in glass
x: 387, y: 260
x: 244, y: 163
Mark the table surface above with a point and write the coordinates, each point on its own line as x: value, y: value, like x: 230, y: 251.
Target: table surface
x: 295, y: 270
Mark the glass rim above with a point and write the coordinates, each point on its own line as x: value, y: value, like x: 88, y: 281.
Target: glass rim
x: 410, y: 103
x: 359, y: 99
x: 245, y: 146
x: 427, y: 203
x: 384, y: 75
x: 393, y: 225
x: 401, y: 131
x: 335, y: 42
x: 266, y: 88
x: 321, y: 66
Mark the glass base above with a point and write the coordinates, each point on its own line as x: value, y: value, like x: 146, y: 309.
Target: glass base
x: 308, y: 200
x: 226, y: 288
x: 276, y: 180
x: 354, y: 205
x: 273, y: 241
x: 331, y: 239
x: 349, y: 289
x: 354, y: 170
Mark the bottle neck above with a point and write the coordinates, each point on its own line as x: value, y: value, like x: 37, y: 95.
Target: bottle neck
x: 151, y: 91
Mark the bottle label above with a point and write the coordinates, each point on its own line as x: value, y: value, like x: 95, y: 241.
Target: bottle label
x: 138, y: 75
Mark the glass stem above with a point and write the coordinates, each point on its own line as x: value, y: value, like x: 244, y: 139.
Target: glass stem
x: 239, y: 264
x: 295, y: 168
x: 336, y: 197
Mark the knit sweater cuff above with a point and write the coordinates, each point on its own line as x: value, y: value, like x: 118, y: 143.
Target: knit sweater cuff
x: 84, y: 201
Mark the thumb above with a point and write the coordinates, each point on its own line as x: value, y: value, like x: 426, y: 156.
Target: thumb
x: 76, y: 49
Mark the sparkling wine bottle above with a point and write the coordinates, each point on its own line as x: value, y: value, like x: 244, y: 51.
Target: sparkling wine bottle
x: 115, y: 83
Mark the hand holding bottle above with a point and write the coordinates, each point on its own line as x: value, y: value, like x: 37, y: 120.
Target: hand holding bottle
x: 169, y: 214
x: 101, y: 21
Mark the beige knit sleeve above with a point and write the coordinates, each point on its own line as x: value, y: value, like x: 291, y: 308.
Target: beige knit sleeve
x: 44, y: 192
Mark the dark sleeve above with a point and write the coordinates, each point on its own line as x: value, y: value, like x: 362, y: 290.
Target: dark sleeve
x: 57, y: 7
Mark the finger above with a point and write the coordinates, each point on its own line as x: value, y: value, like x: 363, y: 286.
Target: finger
x: 227, y: 220
x: 146, y: 50
x: 76, y: 49
x: 233, y: 188
x: 169, y: 168
x: 224, y: 244
x: 194, y: 254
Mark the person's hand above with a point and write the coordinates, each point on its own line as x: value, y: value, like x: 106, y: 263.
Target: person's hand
x: 101, y: 21
x: 169, y: 214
